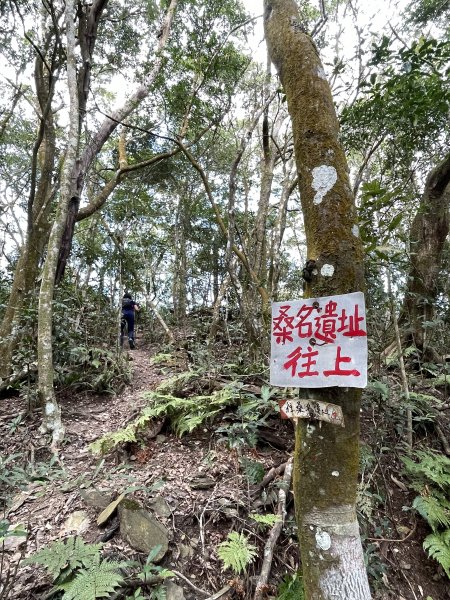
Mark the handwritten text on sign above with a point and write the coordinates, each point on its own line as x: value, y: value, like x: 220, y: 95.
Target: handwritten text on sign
x: 312, y: 409
x: 319, y: 342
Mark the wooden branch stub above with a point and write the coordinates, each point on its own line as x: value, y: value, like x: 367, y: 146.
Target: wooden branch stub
x: 313, y: 410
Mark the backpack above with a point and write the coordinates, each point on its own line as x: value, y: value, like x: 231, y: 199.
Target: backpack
x: 127, y: 304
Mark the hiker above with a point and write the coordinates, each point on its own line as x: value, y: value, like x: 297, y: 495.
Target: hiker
x: 129, y: 306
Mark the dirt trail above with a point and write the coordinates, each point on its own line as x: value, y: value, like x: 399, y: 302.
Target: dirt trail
x: 199, y: 518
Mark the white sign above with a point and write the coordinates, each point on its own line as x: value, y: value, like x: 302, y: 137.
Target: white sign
x: 319, y: 342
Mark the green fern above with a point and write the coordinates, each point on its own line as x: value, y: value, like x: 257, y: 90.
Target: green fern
x: 178, y: 382
x: 434, y: 509
x: 430, y: 466
x: 161, y: 358
x: 62, y: 558
x: 431, y: 474
x: 236, y: 552
x: 253, y: 470
x: 185, y: 415
x: 438, y: 547
x: 99, y: 580
x: 267, y: 520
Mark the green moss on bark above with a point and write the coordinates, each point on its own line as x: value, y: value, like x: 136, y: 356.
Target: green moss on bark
x: 326, y: 457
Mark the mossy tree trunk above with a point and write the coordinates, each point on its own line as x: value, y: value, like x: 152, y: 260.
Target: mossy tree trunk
x: 326, y: 459
x: 52, y: 413
x: 429, y: 230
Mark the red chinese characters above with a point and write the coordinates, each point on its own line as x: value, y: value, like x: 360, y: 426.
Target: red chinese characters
x: 320, y: 342
x: 305, y: 366
x: 306, y: 323
x: 337, y: 366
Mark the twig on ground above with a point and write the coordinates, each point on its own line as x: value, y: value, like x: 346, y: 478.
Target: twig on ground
x: 194, y: 587
x: 220, y: 593
x: 275, y: 531
x: 399, y: 541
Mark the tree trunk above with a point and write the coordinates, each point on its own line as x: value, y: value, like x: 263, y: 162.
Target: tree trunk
x: 38, y: 213
x: 326, y: 459
x: 429, y: 231
x: 180, y: 259
x: 289, y: 184
x: 52, y: 412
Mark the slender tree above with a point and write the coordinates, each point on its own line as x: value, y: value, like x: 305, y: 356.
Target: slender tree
x: 326, y: 459
x: 52, y: 412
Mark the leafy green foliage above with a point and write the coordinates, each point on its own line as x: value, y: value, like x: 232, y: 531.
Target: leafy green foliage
x: 64, y: 557
x: 251, y: 414
x: 267, y: 520
x: 434, y: 509
x: 291, y: 588
x: 98, y: 580
x: 78, y: 569
x: 185, y: 415
x: 96, y: 369
x: 428, y: 467
x: 430, y: 475
x: 253, y: 470
x: 236, y: 552
x: 438, y: 547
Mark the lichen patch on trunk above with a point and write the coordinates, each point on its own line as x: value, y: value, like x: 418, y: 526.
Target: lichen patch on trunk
x: 324, y: 178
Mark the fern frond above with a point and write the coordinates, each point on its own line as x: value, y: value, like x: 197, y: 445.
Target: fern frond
x: 253, y: 470
x: 177, y: 382
x: 66, y: 556
x: 435, y: 510
x: 97, y: 581
x: 438, y: 547
x: 430, y: 466
x: 267, y: 520
x: 185, y: 414
x: 236, y: 552
x: 110, y: 440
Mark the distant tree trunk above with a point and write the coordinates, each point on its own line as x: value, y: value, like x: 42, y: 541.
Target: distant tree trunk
x: 326, y: 459
x: 52, y: 413
x: 428, y: 233
x: 180, y: 260
x: 288, y: 186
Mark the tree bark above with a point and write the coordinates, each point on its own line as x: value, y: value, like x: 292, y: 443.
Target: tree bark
x: 429, y: 230
x: 51, y: 421
x: 326, y: 459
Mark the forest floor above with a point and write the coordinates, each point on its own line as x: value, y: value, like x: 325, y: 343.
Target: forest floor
x: 205, y: 495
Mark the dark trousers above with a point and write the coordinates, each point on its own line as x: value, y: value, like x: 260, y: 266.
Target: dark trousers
x: 127, y: 319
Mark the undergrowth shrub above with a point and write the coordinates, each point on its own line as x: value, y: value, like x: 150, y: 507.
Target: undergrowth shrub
x: 429, y: 474
x: 291, y: 588
x: 80, y: 573
x: 186, y: 414
x: 96, y: 369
